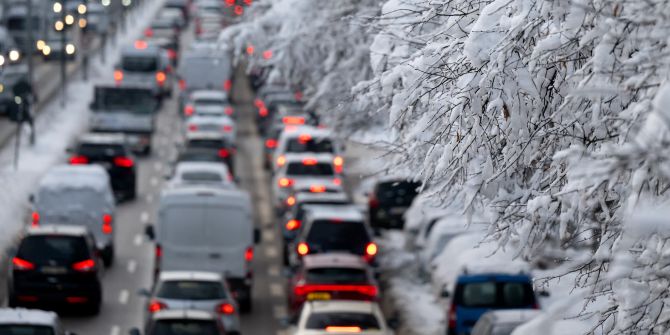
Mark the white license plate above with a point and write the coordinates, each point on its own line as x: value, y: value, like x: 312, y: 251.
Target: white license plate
x: 53, y: 270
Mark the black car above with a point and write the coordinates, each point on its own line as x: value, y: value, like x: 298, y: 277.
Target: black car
x: 215, y: 144
x: 111, y: 152
x: 54, y: 266
x: 389, y: 200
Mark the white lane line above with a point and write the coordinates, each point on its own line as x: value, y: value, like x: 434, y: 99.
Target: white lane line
x: 123, y: 297
x: 144, y: 217
x: 276, y: 290
x: 154, y: 181
x: 269, y: 235
x: 279, y: 311
x: 116, y: 330
x: 274, y: 270
x: 132, y: 266
x: 137, y: 240
x: 271, y: 252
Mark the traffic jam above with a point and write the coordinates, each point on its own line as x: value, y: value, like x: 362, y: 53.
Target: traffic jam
x: 204, y: 199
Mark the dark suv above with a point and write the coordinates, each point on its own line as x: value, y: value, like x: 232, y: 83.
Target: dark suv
x: 389, y: 200
x: 56, y: 265
x: 112, y: 153
x: 215, y: 144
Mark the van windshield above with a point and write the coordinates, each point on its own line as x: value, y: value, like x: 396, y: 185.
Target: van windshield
x: 68, y: 200
x: 492, y: 294
x: 206, y: 226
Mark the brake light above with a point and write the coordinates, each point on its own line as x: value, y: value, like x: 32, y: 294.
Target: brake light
x: 224, y: 153
x: 247, y: 2
x: 160, y: 77
x: 292, y: 225
x: 290, y: 201
x: 309, y: 161
x: 227, y: 85
x: 225, y: 308
x: 293, y: 120
x: 339, y: 163
x: 35, y: 216
x: 259, y: 103
x: 285, y: 182
x: 118, y: 76
x: 304, y: 138
x: 373, y: 202
x: 76, y: 300
x: 317, y: 189
x: 182, y: 84
x: 141, y: 45
x: 188, y: 110
x: 158, y: 252
x: 156, y: 305
x: 303, y: 249
x: 343, y: 329
x: 267, y: 54
x: 22, y: 264
x: 78, y: 160
x: 228, y: 129
x: 337, y: 181
x: 106, y: 224
x: 281, y: 160
x: 192, y: 127
x: 367, y: 290
x: 238, y: 10
x: 84, y: 266
x: 451, y: 318
x: 229, y: 111
x: 122, y: 161
x: 263, y: 111
x: 172, y: 54
x: 230, y: 3
x: 371, y: 249
x: 148, y: 33
x: 271, y: 143
x: 249, y: 254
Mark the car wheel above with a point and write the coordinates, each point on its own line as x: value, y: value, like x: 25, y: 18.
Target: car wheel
x: 245, y: 305
x: 108, y: 256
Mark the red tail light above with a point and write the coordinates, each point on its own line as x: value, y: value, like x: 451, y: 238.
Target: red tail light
x: 292, y: 225
x: 247, y: 2
x: 84, y: 266
x: 192, y: 127
x: 285, y: 182
x: 290, y: 201
x: 118, y: 76
x: 267, y: 54
x: 158, y: 252
x: 160, y: 78
x: 78, y: 160
x: 367, y: 290
x: 373, y: 202
x: 107, y: 224
x: 263, y: 111
x: 304, y: 138
x: 303, y: 249
x: 35, y: 216
x: 293, y: 120
x: 148, y: 32
x: 259, y: 103
x: 172, y: 54
x: 224, y: 153
x: 451, y: 318
x: 227, y: 85
x: 182, y: 84
x: 338, y: 162
x: 229, y: 111
x: 317, y: 189
x: 188, y: 110
x: 309, y: 161
x: 249, y: 254
x: 225, y: 308
x: 122, y: 161
x: 239, y: 10
x: 230, y: 3
x: 156, y: 305
x: 228, y: 129
x: 141, y: 45
x: 76, y: 300
x: 22, y: 264
x: 337, y: 181
x: 270, y: 143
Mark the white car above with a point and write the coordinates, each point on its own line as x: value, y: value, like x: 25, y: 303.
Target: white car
x: 222, y: 125
x: 341, y: 317
x: 201, y: 173
x: 307, y: 139
x: 316, y: 169
x: 30, y: 321
x: 208, y: 102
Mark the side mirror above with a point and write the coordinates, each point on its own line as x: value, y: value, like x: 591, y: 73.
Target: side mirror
x: 144, y: 292
x: 134, y: 331
x: 544, y: 294
x: 31, y: 198
x: 149, y: 231
x: 257, y: 235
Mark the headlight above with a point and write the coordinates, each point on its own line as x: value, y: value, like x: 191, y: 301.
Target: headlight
x: 46, y: 50
x: 2, y: 60
x: 126, y: 3
x: 14, y: 55
x: 40, y: 44
x: 70, y: 49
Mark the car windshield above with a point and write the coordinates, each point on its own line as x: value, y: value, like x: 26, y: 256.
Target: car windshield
x: 364, y: 321
x: 139, y: 63
x: 201, y: 177
x: 336, y: 235
x: 25, y: 330
x: 42, y: 249
x: 492, y: 294
x: 136, y: 100
x: 99, y: 150
x: 302, y: 169
x: 191, y: 290
x: 336, y: 276
x: 319, y: 145
x: 184, y: 327
x: 399, y: 192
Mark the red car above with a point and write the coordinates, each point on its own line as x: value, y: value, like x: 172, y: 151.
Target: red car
x: 331, y: 276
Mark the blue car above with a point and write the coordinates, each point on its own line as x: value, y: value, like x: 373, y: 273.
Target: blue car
x: 476, y: 294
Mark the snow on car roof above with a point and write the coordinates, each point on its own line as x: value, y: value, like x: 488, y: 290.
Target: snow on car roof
x: 76, y: 176
x: 209, y: 94
x: 27, y: 317
x: 332, y: 260
x: 64, y: 229
x: 189, y: 275
x: 319, y: 306
x: 299, y: 157
x: 293, y: 132
x: 496, y: 267
x: 103, y: 138
x: 309, y: 197
x: 327, y: 212
x: 183, y: 314
x: 195, y: 194
x: 201, y: 166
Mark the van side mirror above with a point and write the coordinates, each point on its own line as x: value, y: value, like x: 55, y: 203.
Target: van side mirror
x: 134, y: 331
x: 149, y: 231
x: 257, y: 235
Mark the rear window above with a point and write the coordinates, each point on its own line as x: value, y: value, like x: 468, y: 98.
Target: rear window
x: 209, y: 102
x: 364, y: 321
x: 41, y: 249
x: 337, y: 276
x: 184, y: 327
x: 403, y: 192
x: 205, y: 177
x: 191, y: 290
x: 334, y: 235
x: 199, y: 156
x: 136, y: 100
x: 493, y: 294
x: 315, y: 145
x: 318, y: 169
x: 139, y: 64
x: 97, y: 150
x: 25, y: 330
x: 207, y: 144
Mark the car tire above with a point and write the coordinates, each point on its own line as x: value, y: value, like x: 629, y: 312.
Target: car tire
x: 108, y: 256
x: 246, y: 305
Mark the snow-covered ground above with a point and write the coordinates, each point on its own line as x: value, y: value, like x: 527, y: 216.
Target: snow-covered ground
x: 56, y: 128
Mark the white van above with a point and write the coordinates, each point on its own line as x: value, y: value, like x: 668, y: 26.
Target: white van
x: 78, y: 195
x: 207, y: 229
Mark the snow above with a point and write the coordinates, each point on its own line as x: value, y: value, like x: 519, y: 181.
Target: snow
x: 15, y: 316
x: 63, y: 177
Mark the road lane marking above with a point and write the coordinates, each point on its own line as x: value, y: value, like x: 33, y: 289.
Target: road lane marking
x: 132, y: 266
x: 269, y: 235
x: 279, y: 311
x: 116, y: 330
x: 124, y: 296
x: 276, y: 290
x: 137, y: 240
x: 274, y: 270
x: 144, y: 217
x: 271, y: 252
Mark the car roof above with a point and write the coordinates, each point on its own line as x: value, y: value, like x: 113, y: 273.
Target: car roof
x: 299, y: 157
x: 76, y: 176
x: 150, y: 50
x: 307, y: 197
x: 307, y: 130
x: 27, y: 317
x: 333, y: 260
x: 56, y: 229
x: 183, y: 314
x: 512, y: 315
x: 319, y: 306
x: 103, y: 138
x: 326, y: 212
x: 205, y: 135
x: 198, y: 118
x: 189, y: 275
x: 194, y: 194
x: 201, y: 166
x: 211, y: 94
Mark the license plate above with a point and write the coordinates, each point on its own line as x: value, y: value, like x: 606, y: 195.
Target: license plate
x: 398, y: 210
x: 318, y: 296
x: 53, y: 270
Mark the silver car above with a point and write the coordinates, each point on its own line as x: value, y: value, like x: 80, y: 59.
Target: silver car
x: 193, y: 290
x: 15, y: 321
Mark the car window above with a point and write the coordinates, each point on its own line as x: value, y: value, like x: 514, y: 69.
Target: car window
x: 200, y: 176
x: 25, y: 330
x: 191, y: 290
x: 204, y: 72
x: 300, y: 169
x: 139, y: 63
x: 184, y: 327
x: 54, y: 203
x: 336, y: 276
x: 318, y: 145
x: 101, y: 149
x: 495, y: 294
x: 208, y: 144
x: 335, y: 235
x: 41, y: 249
x: 209, y: 102
x: 198, y: 156
x: 365, y: 321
